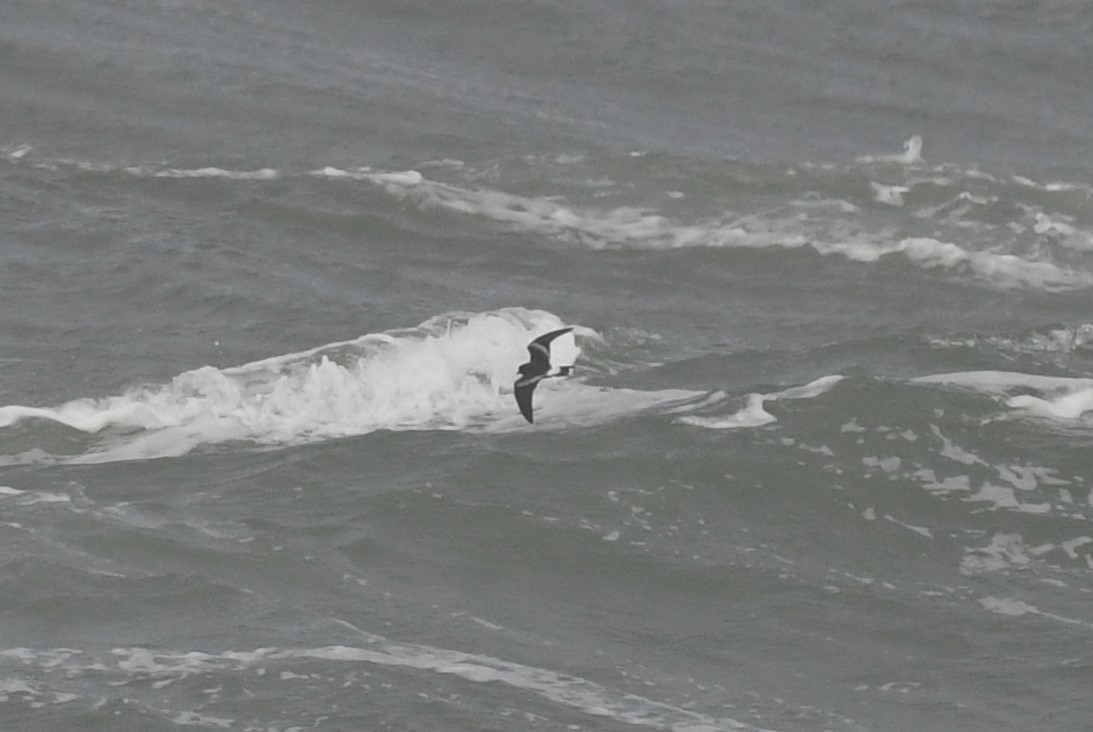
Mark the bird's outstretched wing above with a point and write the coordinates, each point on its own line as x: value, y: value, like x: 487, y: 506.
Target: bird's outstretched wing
x: 540, y: 347
x: 523, y: 389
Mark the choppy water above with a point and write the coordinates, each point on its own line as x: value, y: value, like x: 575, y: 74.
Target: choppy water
x: 266, y: 274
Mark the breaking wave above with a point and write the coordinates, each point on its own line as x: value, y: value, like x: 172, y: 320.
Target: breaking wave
x: 452, y: 372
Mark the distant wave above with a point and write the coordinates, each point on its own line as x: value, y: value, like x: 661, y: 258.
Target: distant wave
x: 638, y: 228
x: 828, y: 226
x: 1058, y: 341
x: 949, y: 216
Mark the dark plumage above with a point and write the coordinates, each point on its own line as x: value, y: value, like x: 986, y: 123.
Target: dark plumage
x: 535, y: 370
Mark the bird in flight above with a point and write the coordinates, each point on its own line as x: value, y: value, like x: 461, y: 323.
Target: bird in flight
x: 537, y: 369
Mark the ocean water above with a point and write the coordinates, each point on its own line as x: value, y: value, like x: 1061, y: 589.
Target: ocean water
x: 267, y: 270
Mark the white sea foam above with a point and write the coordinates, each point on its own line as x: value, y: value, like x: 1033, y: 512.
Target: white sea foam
x: 453, y: 372
x: 337, y: 173
x: 34, y: 697
x: 640, y: 227
x: 261, y: 174
x: 1000, y: 382
x: 1016, y: 608
x: 810, y: 390
x: 146, y: 171
x: 164, y: 668
x: 1068, y: 407
x: 1063, y: 341
x: 1017, y: 487
x: 1005, y: 551
x: 19, y: 152
x: 920, y: 530
x: 628, y: 227
x: 930, y: 253
x: 753, y: 414
x: 889, y: 194
x: 912, y: 153
x: 1008, y: 606
x: 1061, y: 398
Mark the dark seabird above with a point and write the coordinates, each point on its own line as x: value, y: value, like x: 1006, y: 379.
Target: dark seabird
x: 537, y: 369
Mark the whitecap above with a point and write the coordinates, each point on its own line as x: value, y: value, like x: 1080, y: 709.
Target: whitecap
x: 1059, y: 398
x: 753, y: 413
x: 912, y: 153
x: 211, y: 172
x: 453, y: 372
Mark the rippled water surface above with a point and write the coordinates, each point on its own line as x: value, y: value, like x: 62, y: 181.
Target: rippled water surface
x: 267, y: 271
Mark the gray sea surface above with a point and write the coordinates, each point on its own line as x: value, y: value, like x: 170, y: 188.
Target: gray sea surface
x: 268, y: 268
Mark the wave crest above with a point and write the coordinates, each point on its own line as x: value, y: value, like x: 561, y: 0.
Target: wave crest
x: 452, y: 372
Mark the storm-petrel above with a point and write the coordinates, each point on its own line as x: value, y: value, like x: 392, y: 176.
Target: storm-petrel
x: 537, y: 369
